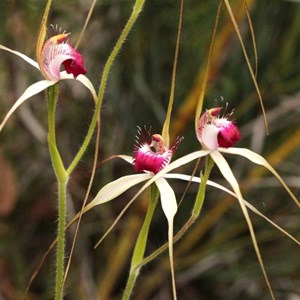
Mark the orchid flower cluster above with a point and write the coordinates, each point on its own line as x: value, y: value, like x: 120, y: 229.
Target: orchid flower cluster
x: 151, y: 160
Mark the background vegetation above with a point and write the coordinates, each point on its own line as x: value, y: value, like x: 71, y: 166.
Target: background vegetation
x: 215, y: 260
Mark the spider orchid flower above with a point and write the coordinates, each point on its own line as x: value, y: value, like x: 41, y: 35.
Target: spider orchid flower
x: 56, y: 52
x: 217, y: 134
x: 150, y: 156
x: 214, y: 131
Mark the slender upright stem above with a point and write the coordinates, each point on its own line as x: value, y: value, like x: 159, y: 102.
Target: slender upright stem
x: 133, y: 17
x: 165, y: 130
x: 201, y: 192
x: 62, y: 180
x: 140, y: 245
x: 60, y: 248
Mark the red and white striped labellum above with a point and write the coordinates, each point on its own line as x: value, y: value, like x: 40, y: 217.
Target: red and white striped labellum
x: 214, y: 131
x: 57, y: 51
x: 150, y: 152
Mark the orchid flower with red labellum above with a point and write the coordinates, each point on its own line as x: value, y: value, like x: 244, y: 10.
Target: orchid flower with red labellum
x: 151, y: 157
x: 216, y: 131
x: 58, y: 51
x: 218, y: 134
x: 147, y: 160
x: 55, y: 53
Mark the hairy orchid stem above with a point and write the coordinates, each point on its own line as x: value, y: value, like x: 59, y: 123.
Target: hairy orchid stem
x: 133, y: 17
x: 62, y: 180
x: 140, y: 246
x: 195, y: 214
x: 60, y: 248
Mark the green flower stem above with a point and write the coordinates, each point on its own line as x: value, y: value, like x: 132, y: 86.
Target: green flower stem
x: 60, y: 248
x: 133, y: 17
x: 140, y: 245
x: 201, y: 192
x: 52, y: 97
x: 195, y: 213
x: 62, y: 180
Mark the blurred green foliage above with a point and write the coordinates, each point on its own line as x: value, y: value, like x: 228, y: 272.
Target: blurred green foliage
x: 216, y: 259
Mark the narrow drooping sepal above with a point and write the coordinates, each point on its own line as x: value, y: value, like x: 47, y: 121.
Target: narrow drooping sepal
x: 150, y: 152
x: 214, y: 131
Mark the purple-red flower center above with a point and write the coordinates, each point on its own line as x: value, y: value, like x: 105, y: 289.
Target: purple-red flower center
x: 150, y: 152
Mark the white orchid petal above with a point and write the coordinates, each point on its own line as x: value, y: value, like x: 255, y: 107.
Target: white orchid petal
x: 228, y: 175
x: 64, y: 75
x: 116, y: 188
x: 209, y: 136
x: 83, y: 79
x: 53, y: 69
x: 182, y: 177
x: 110, y: 192
x: 21, y: 55
x: 169, y: 205
x: 196, y: 179
x: 177, y: 163
x: 127, y: 158
x: 259, y: 160
x: 182, y: 161
x: 88, y: 84
x: 29, y: 92
x: 168, y: 199
x: 222, y: 188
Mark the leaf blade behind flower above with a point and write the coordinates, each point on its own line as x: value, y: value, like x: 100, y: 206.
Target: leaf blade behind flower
x: 169, y: 206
